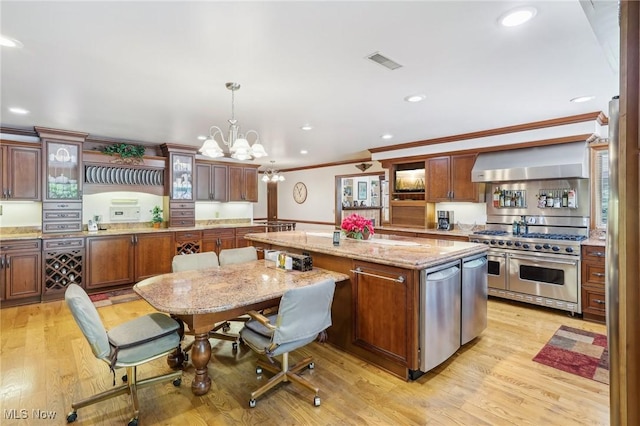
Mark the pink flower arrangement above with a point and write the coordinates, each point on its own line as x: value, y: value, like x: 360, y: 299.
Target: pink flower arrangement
x: 356, y: 226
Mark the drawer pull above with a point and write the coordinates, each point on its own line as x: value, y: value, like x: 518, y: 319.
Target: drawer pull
x: 597, y: 254
x: 598, y: 274
x: 599, y: 301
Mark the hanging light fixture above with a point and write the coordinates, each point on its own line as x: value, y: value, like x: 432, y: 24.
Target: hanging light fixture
x: 237, y: 142
x: 272, y: 175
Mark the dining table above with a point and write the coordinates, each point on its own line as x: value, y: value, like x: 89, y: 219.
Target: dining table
x: 202, y: 298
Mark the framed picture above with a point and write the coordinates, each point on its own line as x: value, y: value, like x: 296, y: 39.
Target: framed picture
x: 362, y: 190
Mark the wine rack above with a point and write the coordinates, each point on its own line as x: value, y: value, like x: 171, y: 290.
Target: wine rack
x: 62, y: 266
x: 188, y: 247
x: 62, y: 269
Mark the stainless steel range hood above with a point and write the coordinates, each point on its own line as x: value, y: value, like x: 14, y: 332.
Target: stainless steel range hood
x: 563, y: 161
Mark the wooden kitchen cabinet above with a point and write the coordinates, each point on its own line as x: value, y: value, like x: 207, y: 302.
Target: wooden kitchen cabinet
x: 218, y: 239
x: 211, y: 182
x: 63, y: 264
x: 117, y: 260
x: 243, y: 183
x: 188, y: 242
x: 241, y: 232
x: 20, y: 174
x: 448, y: 178
x: 179, y: 186
x: 593, y: 283
x: 382, y: 309
x: 20, y: 272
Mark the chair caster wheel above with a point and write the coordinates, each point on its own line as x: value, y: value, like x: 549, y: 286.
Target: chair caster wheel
x: 177, y: 382
x: 258, y: 370
x: 133, y: 422
x: 71, y: 417
x: 311, y: 366
x: 316, y: 401
x: 234, y: 346
x: 252, y: 403
x: 125, y: 378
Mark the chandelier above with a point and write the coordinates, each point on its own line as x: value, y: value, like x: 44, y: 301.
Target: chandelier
x: 272, y: 175
x: 237, y: 142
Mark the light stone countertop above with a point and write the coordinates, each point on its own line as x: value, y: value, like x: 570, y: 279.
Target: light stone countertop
x: 218, y: 290
x: 427, y: 231
x: 393, y: 250
x: 7, y: 234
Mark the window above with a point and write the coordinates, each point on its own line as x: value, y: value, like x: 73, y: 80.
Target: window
x: 599, y: 185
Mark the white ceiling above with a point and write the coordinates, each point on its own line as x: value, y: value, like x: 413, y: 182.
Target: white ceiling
x: 155, y: 72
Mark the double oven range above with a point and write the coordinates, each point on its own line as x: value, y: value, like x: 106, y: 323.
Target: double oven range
x: 541, y: 265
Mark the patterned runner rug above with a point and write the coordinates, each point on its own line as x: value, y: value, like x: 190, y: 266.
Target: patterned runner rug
x: 113, y: 297
x: 578, y: 352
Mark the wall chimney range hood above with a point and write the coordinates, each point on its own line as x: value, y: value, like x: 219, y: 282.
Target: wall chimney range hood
x: 562, y: 161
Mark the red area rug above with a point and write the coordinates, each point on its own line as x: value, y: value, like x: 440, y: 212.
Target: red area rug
x: 578, y: 352
x: 113, y: 297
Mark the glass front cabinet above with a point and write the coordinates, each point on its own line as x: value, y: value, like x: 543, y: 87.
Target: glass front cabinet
x: 180, y: 192
x: 62, y: 180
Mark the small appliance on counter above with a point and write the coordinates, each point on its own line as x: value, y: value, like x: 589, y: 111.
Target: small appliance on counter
x: 445, y: 220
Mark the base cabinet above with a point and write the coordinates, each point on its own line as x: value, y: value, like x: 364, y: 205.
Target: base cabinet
x: 594, y: 306
x: 217, y: 240
x: 126, y: 259
x: 20, y: 277
x: 382, y: 290
x: 63, y: 264
x: 241, y: 232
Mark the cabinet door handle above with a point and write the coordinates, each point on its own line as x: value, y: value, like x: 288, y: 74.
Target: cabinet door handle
x: 2, y: 262
x: 9, y: 193
x: 599, y: 301
x: 7, y: 262
x: 400, y: 278
x: 598, y: 274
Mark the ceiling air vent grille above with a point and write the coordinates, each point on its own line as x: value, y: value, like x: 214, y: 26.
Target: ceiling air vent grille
x: 384, y: 61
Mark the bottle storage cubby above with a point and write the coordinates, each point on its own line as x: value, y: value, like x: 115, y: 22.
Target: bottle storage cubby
x: 62, y: 269
x: 558, y: 198
x: 509, y: 198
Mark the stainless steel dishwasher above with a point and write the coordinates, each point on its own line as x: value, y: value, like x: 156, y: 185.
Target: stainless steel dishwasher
x: 439, y: 314
x: 474, y: 297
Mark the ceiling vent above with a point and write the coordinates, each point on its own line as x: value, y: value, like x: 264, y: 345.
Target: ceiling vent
x: 384, y: 61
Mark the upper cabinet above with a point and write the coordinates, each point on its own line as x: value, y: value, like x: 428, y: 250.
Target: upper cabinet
x: 180, y: 202
x: 62, y: 180
x: 63, y: 170
x: 211, y: 182
x: 243, y: 183
x: 448, y: 178
x: 20, y: 175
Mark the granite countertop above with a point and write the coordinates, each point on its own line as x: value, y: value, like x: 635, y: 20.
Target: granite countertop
x: 218, y: 290
x: 454, y: 231
x: 595, y: 241
x: 142, y: 229
x: 393, y: 250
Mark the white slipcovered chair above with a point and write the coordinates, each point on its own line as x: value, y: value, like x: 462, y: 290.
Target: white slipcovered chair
x: 238, y: 255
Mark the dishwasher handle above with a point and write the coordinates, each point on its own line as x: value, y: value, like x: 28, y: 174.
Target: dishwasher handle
x: 475, y: 263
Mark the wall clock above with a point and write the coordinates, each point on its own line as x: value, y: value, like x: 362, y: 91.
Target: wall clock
x: 299, y: 192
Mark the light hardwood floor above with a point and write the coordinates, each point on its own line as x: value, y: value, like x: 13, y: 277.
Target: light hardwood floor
x: 46, y: 363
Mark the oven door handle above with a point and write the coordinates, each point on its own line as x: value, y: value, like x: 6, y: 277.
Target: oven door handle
x: 544, y: 259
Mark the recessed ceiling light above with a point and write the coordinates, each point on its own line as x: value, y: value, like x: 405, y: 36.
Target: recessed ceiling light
x: 580, y: 99
x: 307, y: 127
x: 304, y: 151
x: 415, y: 98
x: 202, y: 138
x: 19, y: 111
x: 518, y: 16
x: 10, y: 42
x: 387, y: 136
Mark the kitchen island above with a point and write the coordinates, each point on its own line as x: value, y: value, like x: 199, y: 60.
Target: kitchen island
x: 376, y: 312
